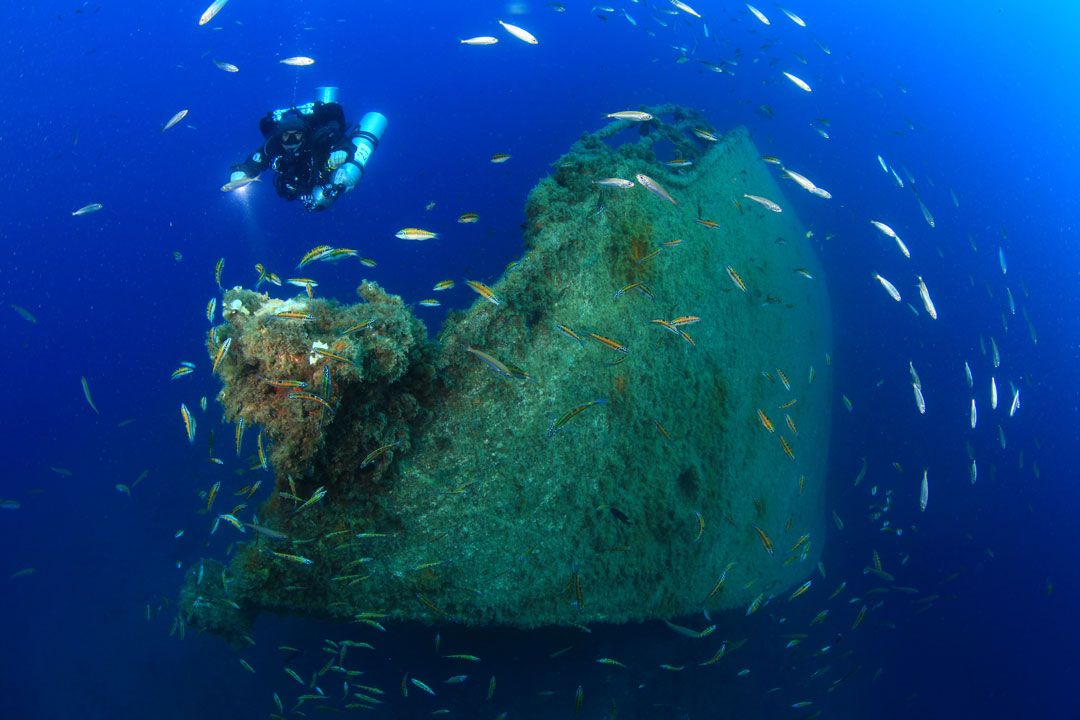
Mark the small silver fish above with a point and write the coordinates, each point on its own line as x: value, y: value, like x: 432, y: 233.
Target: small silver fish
x: 175, y: 119
x: 764, y: 202
x: 889, y: 287
x: 927, y: 302
x: 631, y: 115
x: 924, y: 493
x: 620, y: 183
x: 87, y: 209
x: 655, y: 188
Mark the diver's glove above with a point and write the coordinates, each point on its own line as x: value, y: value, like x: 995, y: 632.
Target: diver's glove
x: 336, y: 159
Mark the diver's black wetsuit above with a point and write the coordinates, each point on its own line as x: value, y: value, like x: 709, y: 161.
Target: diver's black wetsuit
x: 297, y: 176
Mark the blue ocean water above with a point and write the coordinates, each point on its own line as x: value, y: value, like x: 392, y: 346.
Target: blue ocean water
x: 971, y: 97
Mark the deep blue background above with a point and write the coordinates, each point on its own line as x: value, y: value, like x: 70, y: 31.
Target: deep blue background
x: 987, y: 89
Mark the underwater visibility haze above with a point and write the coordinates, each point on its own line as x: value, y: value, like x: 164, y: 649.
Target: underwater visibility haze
x: 538, y: 360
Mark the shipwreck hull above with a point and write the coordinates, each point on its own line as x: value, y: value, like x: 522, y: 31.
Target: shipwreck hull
x: 482, y: 508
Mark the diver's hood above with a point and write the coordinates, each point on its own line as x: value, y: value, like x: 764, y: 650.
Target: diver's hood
x: 292, y: 120
x: 293, y: 131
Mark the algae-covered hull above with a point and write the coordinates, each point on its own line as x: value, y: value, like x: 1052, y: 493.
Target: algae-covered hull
x: 644, y: 408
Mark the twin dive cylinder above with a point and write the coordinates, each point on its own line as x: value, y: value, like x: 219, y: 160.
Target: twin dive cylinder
x: 372, y: 126
x: 371, y: 129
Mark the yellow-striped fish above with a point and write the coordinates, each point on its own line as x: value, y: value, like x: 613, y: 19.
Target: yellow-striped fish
x: 800, y: 590
x: 303, y: 282
x: 239, y: 434
x: 766, y: 541
x: 189, y: 422
x: 765, y: 421
x: 378, y: 453
x: 787, y: 448
x: 569, y: 332
x: 291, y: 315
x: 357, y: 327
x: 571, y: 414
x: 212, y: 495
x: 339, y: 253
x: 331, y: 356
x: 222, y: 351
x: 262, y: 458
x: 411, y: 233
x: 608, y: 342
x: 313, y: 398
x: 735, y: 277
x: 89, y: 398
x: 316, y: 253
x: 233, y: 520
x: 483, y: 291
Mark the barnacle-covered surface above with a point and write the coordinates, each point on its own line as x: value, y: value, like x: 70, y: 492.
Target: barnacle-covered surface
x: 478, y: 510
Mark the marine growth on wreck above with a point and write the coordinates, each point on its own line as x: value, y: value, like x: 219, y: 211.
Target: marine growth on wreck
x: 632, y: 425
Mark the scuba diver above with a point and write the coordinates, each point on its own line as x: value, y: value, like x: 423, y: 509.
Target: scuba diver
x: 315, y: 158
